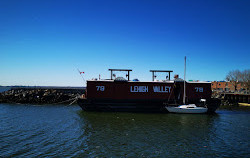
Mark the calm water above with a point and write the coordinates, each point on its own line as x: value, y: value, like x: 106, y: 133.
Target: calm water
x: 2, y: 89
x: 67, y: 131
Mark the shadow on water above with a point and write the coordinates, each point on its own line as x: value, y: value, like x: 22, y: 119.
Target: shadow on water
x: 138, y: 134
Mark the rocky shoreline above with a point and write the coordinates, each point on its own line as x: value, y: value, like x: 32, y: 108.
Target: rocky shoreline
x: 41, y: 96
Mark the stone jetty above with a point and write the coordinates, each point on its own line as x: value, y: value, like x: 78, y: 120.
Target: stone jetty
x: 41, y: 95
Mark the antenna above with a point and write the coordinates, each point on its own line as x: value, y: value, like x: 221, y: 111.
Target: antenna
x: 81, y: 75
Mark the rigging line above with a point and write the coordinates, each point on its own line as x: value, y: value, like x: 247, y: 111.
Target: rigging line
x: 171, y: 92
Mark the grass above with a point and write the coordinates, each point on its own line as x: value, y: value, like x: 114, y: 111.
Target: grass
x: 244, y: 104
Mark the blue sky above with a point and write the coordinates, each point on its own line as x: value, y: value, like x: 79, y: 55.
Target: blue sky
x: 43, y: 42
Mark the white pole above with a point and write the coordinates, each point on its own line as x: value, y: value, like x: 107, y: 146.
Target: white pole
x: 184, y: 95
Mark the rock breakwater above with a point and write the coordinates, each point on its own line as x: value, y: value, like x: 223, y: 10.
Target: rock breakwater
x: 40, y: 95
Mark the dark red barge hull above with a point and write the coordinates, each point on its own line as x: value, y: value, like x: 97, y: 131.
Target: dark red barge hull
x: 143, y: 96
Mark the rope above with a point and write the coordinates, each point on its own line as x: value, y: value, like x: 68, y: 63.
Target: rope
x: 75, y: 98
x: 73, y: 101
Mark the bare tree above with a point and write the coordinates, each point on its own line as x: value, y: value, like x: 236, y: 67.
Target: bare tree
x: 245, y: 77
x: 237, y: 76
x: 234, y: 77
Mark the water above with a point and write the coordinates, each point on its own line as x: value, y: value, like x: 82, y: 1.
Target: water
x: 3, y: 89
x: 67, y: 131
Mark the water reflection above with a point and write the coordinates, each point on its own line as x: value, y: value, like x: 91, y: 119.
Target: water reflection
x: 130, y: 134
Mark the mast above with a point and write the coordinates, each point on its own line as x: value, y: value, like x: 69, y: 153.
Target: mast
x: 184, y: 95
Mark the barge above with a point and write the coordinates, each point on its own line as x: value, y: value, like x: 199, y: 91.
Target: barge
x: 120, y: 94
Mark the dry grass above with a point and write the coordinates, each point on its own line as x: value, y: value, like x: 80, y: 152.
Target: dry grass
x: 244, y: 104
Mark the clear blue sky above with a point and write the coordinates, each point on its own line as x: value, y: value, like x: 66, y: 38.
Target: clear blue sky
x: 43, y: 42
